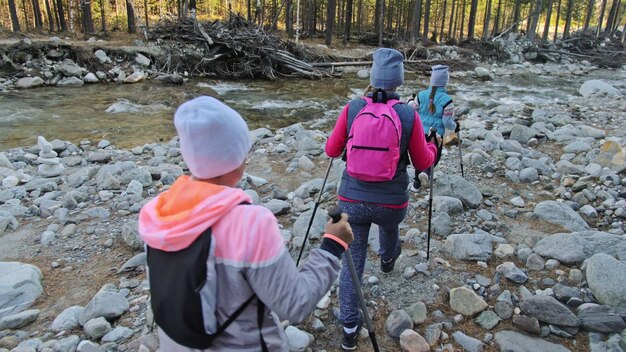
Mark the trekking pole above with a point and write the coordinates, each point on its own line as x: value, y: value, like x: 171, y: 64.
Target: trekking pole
x: 431, y: 136
x: 335, y: 214
x: 317, y: 204
x: 458, y: 134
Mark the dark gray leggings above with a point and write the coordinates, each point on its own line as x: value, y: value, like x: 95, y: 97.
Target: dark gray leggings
x: 361, y: 217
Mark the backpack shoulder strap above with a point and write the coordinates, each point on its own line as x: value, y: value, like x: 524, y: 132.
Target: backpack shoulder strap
x: 354, y: 107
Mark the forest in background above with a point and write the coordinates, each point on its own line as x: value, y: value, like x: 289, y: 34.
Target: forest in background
x: 442, y: 21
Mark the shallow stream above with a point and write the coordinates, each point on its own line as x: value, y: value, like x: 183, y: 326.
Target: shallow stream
x: 132, y: 115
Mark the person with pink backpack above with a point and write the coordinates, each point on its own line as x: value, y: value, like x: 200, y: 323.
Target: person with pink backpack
x: 380, y: 136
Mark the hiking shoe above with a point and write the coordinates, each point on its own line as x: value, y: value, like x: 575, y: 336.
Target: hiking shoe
x: 349, y: 340
x: 415, y: 186
x: 387, y: 267
x: 423, y: 177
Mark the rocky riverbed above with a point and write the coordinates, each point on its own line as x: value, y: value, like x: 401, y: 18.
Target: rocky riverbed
x: 528, y: 250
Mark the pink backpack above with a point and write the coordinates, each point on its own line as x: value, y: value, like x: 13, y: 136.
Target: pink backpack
x: 373, y: 149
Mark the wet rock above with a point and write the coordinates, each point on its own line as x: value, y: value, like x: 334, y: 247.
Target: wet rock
x: 298, y: 339
x: 29, y: 82
x: 70, y: 82
x: 547, y: 309
x: 465, y: 301
x: 397, y: 322
x: 469, y: 246
x: 67, y: 320
x: 604, y: 319
x: 97, y: 327
x: 90, y: 78
x: 19, y: 320
x: 457, y: 187
x: 483, y: 74
x: 468, y: 343
x: 527, y: 324
x: 411, y: 341
x: 21, y: 285
x: 511, y: 341
x: 576, y: 247
x: 560, y: 214
x: 606, y: 277
x: 69, y: 69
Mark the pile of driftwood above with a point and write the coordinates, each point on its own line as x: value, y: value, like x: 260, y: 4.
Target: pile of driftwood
x: 233, y: 48
x: 602, y: 51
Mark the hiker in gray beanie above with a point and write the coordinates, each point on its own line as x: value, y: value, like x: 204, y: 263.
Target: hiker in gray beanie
x: 367, y: 196
x: 436, y: 110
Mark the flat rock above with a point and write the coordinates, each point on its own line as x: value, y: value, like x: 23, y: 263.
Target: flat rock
x: 465, y: 301
x: 548, y: 310
x: 411, y: 341
x: 593, y: 86
x: 19, y: 320
x: 448, y: 205
x: 606, y: 277
x: 468, y: 343
x: 527, y: 324
x: 457, y: 187
x: 570, y: 248
x: 105, y: 304
x: 604, y: 319
x: 29, y: 82
x: 67, y: 320
x: 469, y: 246
x: 21, y: 285
x: 277, y: 206
x: 418, y: 313
x: 560, y: 214
x: 511, y: 341
x: 488, y: 320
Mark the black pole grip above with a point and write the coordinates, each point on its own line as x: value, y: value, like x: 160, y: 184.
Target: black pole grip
x: 335, y: 214
x: 432, y: 134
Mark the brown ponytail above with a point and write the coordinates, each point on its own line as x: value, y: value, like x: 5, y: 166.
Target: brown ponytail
x: 431, y: 102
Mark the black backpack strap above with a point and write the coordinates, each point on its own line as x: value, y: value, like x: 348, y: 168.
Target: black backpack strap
x: 260, y: 314
x: 383, y: 95
x: 234, y: 316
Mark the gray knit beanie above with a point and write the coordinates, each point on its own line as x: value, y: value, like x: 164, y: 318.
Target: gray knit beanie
x: 387, y: 69
x: 440, y: 76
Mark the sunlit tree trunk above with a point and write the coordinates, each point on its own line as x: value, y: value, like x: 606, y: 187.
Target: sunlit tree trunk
x: 462, y: 20
x: 443, y: 20
x: 145, y: 10
x: 50, y: 16
x: 15, y: 23
x: 61, y: 15
x: 612, y: 15
x: 130, y: 13
x: 568, y: 18
x: 534, y: 20
x: 546, y: 28
x: 330, y: 21
x: 37, y: 15
x: 558, y: 19
x: 496, y: 24
x: 516, y: 15
x: 472, y: 19
x: 487, y: 19
x: 103, y: 16
x: 452, y: 18
x: 601, y: 19
x: 590, y: 6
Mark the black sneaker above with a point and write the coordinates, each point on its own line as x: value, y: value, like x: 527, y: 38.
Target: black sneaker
x: 387, y: 267
x: 415, y: 187
x: 349, y: 340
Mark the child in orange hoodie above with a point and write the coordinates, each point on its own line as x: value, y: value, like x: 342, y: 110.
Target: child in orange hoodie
x: 216, y: 261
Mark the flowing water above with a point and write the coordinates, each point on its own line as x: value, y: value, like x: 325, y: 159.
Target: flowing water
x: 132, y: 115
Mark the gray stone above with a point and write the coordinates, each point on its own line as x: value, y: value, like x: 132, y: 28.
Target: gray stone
x: 68, y: 344
x: 469, y: 246
x: 488, y: 320
x: 594, y: 86
x: 70, y: 82
x: 504, y: 250
x: 510, y: 341
x: 527, y: 324
x: 468, y: 343
x: 105, y: 304
x: 102, y: 57
x: 67, y: 320
x: 599, y: 318
x: 560, y: 214
x: 457, y: 187
x: 600, y: 343
x: 504, y: 305
x: 135, y: 77
x: 97, y: 327
x: 606, y: 277
x: 117, y: 335
x: 90, y: 78
x: 483, y: 73
x: 433, y: 334
x: 577, y: 147
x: 134, y: 262
x: 528, y: 175
x: 142, y: 60
x: 99, y: 157
x: 21, y: 285
x: 570, y: 248
x: 413, y: 342
x: 589, y: 211
x: 317, y: 229
x: 98, y: 212
x: 418, y: 313
x: 522, y: 133
x: 450, y: 205
x: 29, y: 82
x: 512, y: 272
x: 277, y: 206
x: 397, y: 322
x: 130, y: 235
x: 298, y: 340
x: 564, y: 293
x: 465, y: 301
x: 548, y: 310
x: 19, y: 320
x: 69, y: 69
x: 535, y: 262
x: 568, y: 168
x: 441, y: 224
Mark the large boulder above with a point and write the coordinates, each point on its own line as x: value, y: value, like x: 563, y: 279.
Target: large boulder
x: 106, y: 303
x: 511, y: 341
x: 594, y: 86
x: 570, y: 248
x: 458, y: 187
x: 606, y: 277
x: 560, y: 214
x: 20, y: 285
x: 469, y: 246
x: 548, y: 310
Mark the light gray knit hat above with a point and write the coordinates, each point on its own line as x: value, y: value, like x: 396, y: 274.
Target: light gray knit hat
x: 440, y: 76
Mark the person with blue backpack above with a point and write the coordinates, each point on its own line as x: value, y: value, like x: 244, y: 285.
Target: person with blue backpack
x: 436, y: 110
x: 380, y: 136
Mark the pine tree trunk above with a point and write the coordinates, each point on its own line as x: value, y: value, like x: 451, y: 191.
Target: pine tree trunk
x: 426, y: 21
x: 443, y: 21
x: 130, y: 14
x: 103, y: 16
x: 15, y: 22
x: 534, y: 20
x: 528, y: 18
x: 487, y: 19
x: 70, y: 6
x: 377, y: 13
x: 87, y: 19
x: 61, y: 15
x: 50, y: 16
x: 462, y: 20
x: 589, y: 14
x: 359, y: 16
x: 496, y: 24
x: 601, y: 19
x: 611, y: 19
x: 452, y: 19
x: 558, y: 19
x: 516, y: 15
x: 192, y: 6
x: 414, y: 34
x: 37, y: 15
x: 330, y: 21
x: 472, y: 19
x: 546, y: 27
x: 568, y: 20
x: 348, y: 25
x: 289, y: 17
x: 381, y: 23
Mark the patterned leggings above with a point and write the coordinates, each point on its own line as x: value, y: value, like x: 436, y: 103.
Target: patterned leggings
x: 361, y: 217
